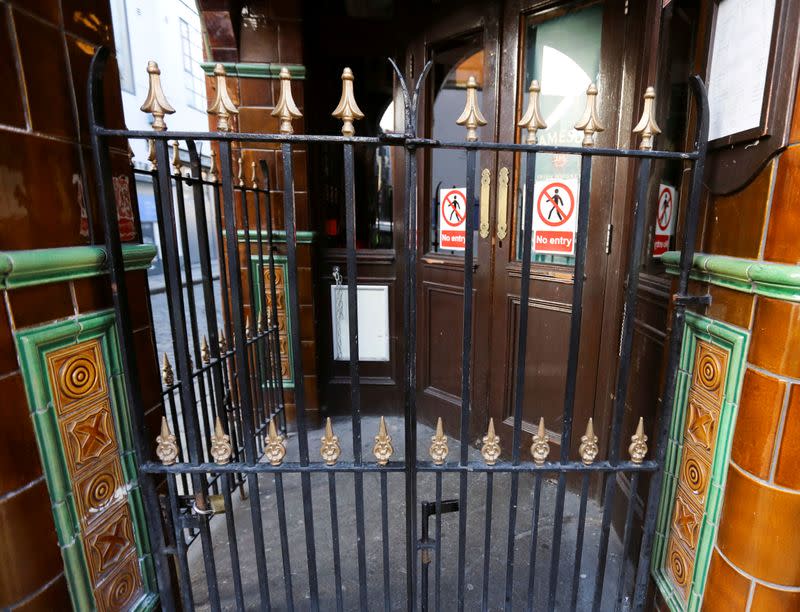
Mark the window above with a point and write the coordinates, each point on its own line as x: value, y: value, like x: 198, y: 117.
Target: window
x: 119, y: 17
x: 194, y: 79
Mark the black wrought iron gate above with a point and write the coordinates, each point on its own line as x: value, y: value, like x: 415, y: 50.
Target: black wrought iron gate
x: 224, y: 419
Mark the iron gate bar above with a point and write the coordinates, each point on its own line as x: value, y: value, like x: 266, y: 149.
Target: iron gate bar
x: 251, y: 368
x: 690, y: 222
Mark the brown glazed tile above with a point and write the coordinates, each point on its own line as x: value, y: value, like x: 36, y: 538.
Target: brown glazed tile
x: 41, y: 304
x: 739, y: 218
x: 256, y: 92
x: 30, y: 556
x: 259, y: 42
x: 19, y: 453
x: 730, y: 306
x: 290, y: 42
x: 11, y: 108
x: 782, y: 244
x: 92, y: 294
x: 89, y: 19
x: 148, y: 365
x: 219, y: 29
x: 757, y: 422
x: 54, y: 597
x: 776, y: 336
x: 8, y: 351
x: 138, y: 301
x: 766, y: 599
x: 726, y: 589
x: 787, y: 473
x: 46, y: 76
x: 38, y: 170
x: 258, y: 120
x: 794, y: 133
x: 758, y: 529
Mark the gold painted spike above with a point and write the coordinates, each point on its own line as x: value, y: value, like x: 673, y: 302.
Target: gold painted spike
x: 222, y: 106
x: 221, y: 449
x: 156, y: 103
x: 540, y: 446
x: 286, y: 109
x: 205, y: 353
x: 176, y: 157
x: 647, y: 125
x: 491, y: 445
x: 240, y: 172
x: 589, y: 123
x: 472, y: 118
x: 212, y: 168
x: 383, y: 448
x: 532, y: 120
x: 167, y: 375
x: 253, y: 176
x: 439, y: 447
x: 248, y: 330
x: 330, y: 449
x: 151, y: 154
x: 166, y: 447
x: 638, y: 446
x: 274, y: 450
x: 347, y: 109
x: 223, y: 343
x: 262, y: 324
x: 588, y: 448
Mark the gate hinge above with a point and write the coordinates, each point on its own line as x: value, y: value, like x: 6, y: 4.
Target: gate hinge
x: 609, y: 232
x: 691, y: 300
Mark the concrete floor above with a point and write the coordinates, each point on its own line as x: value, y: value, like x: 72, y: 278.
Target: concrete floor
x: 476, y: 521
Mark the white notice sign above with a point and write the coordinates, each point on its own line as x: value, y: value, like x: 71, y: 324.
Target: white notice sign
x: 555, y: 216
x: 739, y: 59
x: 452, y: 218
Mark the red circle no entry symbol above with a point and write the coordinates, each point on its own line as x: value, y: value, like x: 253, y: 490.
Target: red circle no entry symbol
x: 556, y: 204
x: 664, y: 209
x: 454, y: 208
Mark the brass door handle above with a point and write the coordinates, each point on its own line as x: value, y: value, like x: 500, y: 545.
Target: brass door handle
x: 486, y: 182
x: 502, y: 204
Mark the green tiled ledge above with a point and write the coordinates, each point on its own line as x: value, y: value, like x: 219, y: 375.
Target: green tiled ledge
x: 735, y: 341
x: 40, y: 266
x: 256, y: 71
x: 775, y: 280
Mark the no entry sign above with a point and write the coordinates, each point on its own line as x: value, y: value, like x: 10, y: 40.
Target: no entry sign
x: 555, y: 216
x: 452, y: 218
x: 666, y: 210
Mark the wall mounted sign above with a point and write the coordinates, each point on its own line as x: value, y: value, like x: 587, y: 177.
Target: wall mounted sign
x: 555, y: 218
x: 452, y: 218
x: 666, y: 212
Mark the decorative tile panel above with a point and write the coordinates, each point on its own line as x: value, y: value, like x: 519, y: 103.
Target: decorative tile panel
x: 122, y: 588
x: 712, y: 360
x: 98, y: 489
x: 108, y: 542
x: 77, y: 375
x: 282, y: 308
x: 88, y: 435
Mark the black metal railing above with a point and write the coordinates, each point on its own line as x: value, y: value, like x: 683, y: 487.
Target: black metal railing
x: 242, y: 384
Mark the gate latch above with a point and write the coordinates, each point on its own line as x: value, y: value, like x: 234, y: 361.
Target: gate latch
x: 691, y: 300
x: 428, y: 510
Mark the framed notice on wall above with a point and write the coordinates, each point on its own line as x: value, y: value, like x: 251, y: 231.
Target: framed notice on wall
x: 739, y: 66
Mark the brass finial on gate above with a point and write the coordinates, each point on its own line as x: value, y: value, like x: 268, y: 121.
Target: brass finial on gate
x: 347, y: 110
x: 222, y: 106
x: 212, y: 168
x: 205, y: 353
x: 223, y: 343
x: 383, y: 448
x: 647, y: 125
x: 253, y: 175
x: 472, y: 118
x: 248, y: 329
x: 286, y: 109
x: 439, y: 447
x: 540, y: 445
x: 239, y: 172
x: 151, y: 153
x: 330, y: 449
x: 588, y: 448
x: 589, y: 123
x: 491, y: 445
x: 176, y: 157
x: 156, y: 102
x: 274, y: 450
x: 638, y: 446
x: 166, y: 447
x: 167, y: 375
x: 221, y: 449
x: 532, y: 120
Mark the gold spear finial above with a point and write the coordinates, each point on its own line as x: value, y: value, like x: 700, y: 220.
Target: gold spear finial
x: 491, y: 445
x: 286, y: 109
x: 223, y: 343
x: 439, y: 447
x: 205, y: 354
x: 540, y: 446
x: 151, y: 153
x: 253, y: 176
x: 472, y: 118
x: 330, y: 449
x: 212, y: 167
x: 240, y: 172
x: 167, y: 374
x: 176, y: 157
x: 532, y: 120
x: 222, y: 106
x: 638, y: 446
x: 274, y: 450
x: 166, y: 447
x: 383, y: 448
x: 347, y: 109
x: 589, y: 123
x: 221, y: 449
x: 588, y: 449
x: 248, y: 329
x: 156, y: 103
x: 647, y: 125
